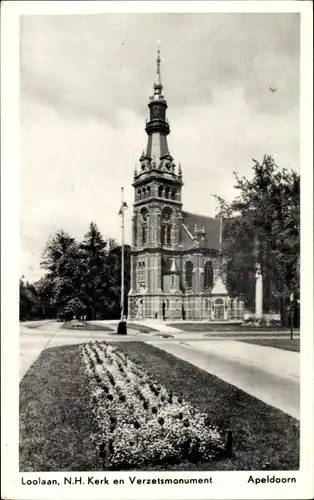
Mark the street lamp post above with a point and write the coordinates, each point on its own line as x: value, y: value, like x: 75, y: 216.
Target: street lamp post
x: 122, y: 323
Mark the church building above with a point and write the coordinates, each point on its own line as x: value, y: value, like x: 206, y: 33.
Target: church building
x: 176, y: 263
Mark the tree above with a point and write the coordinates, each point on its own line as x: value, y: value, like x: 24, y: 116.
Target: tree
x: 263, y: 225
x: 113, y: 280
x: 44, y: 290
x: 81, y: 278
x: 29, y: 302
x: 55, y: 250
x: 63, y: 260
x: 94, y: 253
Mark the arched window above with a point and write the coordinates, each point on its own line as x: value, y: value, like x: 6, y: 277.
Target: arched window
x: 167, y: 190
x: 148, y: 192
x: 188, y: 274
x: 144, y: 193
x: 208, y: 275
x: 173, y: 194
x: 166, y: 214
x: 166, y: 226
x: 160, y: 191
x: 141, y: 276
x: 139, y: 194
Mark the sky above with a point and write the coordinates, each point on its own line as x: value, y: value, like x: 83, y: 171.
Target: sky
x: 85, y: 81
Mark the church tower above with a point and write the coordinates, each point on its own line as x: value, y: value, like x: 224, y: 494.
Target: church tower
x: 156, y: 222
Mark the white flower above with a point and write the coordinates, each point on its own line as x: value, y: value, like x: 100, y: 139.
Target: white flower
x: 137, y: 434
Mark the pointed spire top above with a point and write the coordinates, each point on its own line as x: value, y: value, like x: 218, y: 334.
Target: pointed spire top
x: 158, y: 78
x: 158, y: 84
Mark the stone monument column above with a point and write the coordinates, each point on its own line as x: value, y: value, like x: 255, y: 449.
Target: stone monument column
x: 258, y: 292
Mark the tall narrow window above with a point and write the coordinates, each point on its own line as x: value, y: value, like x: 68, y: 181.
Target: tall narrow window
x: 173, y: 194
x: 160, y: 191
x: 144, y: 215
x: 163, y: 234
x: 208, y: 275
x: 144, y: 234
x: 141, y: 277
x: 166, y: 226
x: 188, y: 274
x: 167, y: 190
x: 148, y: 192
x: 172, y: 281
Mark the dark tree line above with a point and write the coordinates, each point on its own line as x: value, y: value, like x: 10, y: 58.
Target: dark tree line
x: 81, y: 279
x: 262, y: 224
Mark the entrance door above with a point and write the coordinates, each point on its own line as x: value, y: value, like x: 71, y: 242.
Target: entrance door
x: 219, y: 309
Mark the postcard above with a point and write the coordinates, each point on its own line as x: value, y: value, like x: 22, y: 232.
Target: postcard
x: 157, y: 250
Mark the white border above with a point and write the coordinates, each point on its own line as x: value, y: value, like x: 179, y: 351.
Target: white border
x: 225, y: 484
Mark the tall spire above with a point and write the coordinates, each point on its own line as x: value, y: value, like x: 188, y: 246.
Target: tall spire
x: 157, y: 126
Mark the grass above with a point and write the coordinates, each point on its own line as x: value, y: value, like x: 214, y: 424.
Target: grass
x: 220, y: 327
x: 68, y: 325
x: 285, y: 344
x: 55, y: 418
x: 264, y: 437
x: 38, y: 323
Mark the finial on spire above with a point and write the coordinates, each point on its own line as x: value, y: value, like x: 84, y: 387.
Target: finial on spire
x: 158, y: 79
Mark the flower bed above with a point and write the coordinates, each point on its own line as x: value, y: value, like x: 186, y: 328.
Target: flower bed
x: 139, y: 422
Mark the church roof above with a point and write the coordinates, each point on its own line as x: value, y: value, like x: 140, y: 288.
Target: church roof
x: 194, y: 225
x: 219, y: 288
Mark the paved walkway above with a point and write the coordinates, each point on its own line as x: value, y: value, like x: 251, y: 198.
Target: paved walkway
x: 38, y: 336
x: 34, y: 338
x: 273, y: 360
x: 268, y: 376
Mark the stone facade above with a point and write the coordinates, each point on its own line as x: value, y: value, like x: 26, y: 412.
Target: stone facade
x: 176, y: 264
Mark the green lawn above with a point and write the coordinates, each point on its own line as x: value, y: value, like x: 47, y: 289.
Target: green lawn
x: 68, y: 325
x: 285, y: 344
x: 220, y: 327
x: 56, y: 420
x: 262, y: 434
